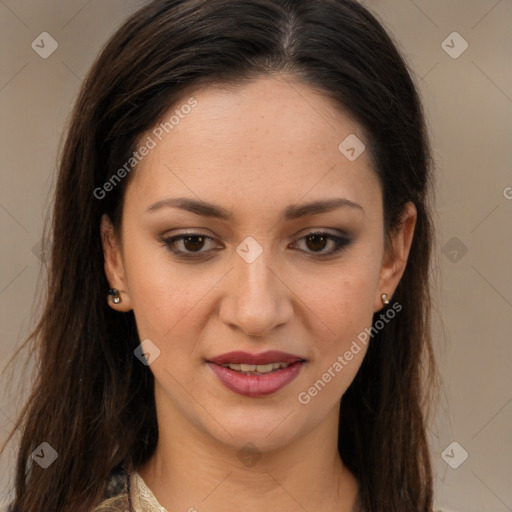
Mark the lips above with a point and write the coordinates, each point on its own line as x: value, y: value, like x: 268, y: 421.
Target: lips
x: 271, y: 356
x: 253, y: 383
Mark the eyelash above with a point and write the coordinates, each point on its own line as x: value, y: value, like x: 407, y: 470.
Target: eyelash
x: 340, y: 241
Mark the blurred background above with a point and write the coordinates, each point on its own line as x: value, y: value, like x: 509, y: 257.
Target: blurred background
x: 460, y: 53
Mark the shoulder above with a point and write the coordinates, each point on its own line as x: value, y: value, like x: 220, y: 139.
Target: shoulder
x: 115, y: 498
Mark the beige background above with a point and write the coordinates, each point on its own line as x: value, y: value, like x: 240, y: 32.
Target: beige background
x: 468, y: 100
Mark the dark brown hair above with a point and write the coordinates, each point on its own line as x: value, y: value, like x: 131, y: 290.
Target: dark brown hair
x: 92, y: 400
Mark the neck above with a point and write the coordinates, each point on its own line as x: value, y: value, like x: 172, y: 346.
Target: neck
x: 191, y: 470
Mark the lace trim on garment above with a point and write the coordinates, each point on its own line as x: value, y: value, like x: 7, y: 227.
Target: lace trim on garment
x: 143, y: 499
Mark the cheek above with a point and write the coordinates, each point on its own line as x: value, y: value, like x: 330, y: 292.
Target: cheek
x: 342, y: 304
x: 342, y: 300
x: 170, y: 302
x: 339, y: 350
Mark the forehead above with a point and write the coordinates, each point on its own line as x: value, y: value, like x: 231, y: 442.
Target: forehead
x: 265, y: 143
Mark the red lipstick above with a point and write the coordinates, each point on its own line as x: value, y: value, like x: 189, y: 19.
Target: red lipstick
x: 271, y: 356
x: 251, y: 382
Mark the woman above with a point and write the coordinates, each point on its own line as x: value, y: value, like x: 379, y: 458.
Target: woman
x: 238, y: 299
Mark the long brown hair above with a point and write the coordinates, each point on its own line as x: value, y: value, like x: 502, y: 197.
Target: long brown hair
x: 91, y: 400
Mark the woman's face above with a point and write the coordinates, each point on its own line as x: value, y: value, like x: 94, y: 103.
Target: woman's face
x: 254, y: 279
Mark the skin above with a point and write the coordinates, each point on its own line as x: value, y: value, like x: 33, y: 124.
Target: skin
x: 253, y: 150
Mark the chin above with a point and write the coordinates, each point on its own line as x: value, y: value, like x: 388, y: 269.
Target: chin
x: 260, y: 436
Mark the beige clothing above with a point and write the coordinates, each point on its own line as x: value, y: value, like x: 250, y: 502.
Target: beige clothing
x: 141, y: 497
x: 116, y: 495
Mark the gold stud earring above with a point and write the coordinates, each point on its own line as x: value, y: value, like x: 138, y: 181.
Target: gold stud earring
x: 385, y: 299
x: 114, y: 294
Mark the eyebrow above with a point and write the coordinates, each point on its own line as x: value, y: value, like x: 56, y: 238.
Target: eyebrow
x: 291, y: 212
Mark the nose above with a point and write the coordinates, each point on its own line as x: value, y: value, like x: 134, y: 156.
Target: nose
x: 258, y: 299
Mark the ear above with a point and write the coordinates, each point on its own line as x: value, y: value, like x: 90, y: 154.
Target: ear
x: 396, y: 254
x: 113, y: 264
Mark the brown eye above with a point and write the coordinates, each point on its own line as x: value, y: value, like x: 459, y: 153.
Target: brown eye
x: 192, y: 244
x: 317, y: 241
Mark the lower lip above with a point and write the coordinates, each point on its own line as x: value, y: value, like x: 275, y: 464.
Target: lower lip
x: 256, y: 385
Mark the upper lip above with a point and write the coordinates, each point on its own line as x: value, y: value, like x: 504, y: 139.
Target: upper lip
x: 271, y: 356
